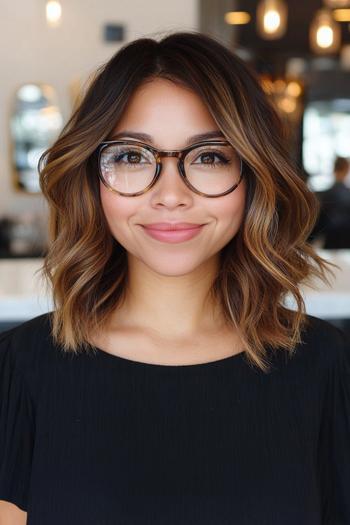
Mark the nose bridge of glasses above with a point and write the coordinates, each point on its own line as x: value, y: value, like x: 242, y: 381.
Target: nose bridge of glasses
x: 166, y: 154
x: 173, y: 153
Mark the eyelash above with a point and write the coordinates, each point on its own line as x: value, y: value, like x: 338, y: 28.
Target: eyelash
x: 223, y: 160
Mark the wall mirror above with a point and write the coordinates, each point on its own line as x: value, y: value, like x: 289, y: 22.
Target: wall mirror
x: 35, y: 123
x: 326, y: 130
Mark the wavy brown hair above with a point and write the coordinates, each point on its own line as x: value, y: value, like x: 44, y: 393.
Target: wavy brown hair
x: 268, y: 258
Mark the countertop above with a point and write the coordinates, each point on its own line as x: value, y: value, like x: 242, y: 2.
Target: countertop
x: 23, y: 294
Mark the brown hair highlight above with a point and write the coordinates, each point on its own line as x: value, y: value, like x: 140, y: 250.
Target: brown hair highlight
x: 268, y: 258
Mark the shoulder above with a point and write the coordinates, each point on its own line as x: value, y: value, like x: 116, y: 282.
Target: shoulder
x: 34, y: 330
x: 22, y: 344
x: 323, y: 333
x: 324, y: 343
x: 18, y: 348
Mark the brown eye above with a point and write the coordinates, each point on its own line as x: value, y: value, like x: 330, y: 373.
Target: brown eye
x: 131, y: 157
x: 209, y: 157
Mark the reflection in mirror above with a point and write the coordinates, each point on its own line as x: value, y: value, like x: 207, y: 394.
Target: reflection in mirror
x: 35, y: 124
x: 326, y: 130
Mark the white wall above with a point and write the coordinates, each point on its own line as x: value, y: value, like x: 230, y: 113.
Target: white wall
x: 32, y: 52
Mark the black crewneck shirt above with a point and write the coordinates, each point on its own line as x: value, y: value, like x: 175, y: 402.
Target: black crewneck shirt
x: 98, y: 439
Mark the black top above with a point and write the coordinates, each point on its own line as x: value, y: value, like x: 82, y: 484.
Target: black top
x: 104, y: 440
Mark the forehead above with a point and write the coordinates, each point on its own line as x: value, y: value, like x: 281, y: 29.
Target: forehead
x: 144, y: 137
x: 160, y: 106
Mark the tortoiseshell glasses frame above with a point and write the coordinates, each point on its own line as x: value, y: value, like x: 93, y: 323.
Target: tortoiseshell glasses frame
x: 158, y: 155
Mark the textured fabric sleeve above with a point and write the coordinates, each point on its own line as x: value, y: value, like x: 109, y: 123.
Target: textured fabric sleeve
x: 16, y: 428
x: 335, y: 437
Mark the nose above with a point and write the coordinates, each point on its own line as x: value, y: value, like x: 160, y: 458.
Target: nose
x: 170, y: 187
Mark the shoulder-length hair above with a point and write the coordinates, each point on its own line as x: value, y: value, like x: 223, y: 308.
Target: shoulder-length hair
x: 268, y: 258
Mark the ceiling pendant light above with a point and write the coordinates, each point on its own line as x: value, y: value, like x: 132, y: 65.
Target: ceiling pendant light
x: 53, y: 13
x: 271, y: 16
x: 324, y: 33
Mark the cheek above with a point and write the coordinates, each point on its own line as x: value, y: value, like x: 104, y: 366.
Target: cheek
x: 117, y: 210
x: 231, y: 209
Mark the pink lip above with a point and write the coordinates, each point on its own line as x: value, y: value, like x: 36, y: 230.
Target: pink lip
x: 173, y: 236
x: 171, y: 226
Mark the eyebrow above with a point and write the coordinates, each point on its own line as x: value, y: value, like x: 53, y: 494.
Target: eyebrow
x: 144, y: 137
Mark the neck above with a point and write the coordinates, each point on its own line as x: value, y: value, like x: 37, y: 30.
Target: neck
x: 170, y: 306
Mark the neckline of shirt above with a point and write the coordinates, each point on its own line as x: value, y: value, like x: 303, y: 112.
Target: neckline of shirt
x: 132, y: 362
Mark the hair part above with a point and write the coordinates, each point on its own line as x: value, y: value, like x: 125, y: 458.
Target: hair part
x: 269, y: 257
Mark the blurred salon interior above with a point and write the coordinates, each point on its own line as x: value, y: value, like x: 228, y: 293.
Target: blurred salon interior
x: 49, y: 50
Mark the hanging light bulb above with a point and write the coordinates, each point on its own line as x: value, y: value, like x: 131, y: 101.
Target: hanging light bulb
x: 324, y: 33
x: 271, y: 17
x: 53, y: 13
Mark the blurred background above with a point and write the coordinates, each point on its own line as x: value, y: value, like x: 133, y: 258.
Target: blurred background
x: 50, y: 49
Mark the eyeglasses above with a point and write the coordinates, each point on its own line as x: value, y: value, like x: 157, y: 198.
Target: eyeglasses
x: 130, y: 168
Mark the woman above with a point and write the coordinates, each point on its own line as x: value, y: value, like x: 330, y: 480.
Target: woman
x: 170, y: 384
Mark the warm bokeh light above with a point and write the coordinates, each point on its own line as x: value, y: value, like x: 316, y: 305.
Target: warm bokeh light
x: 272, y: 21
x: 237, y: 17
x: 287, y: 104
x: 271, y: 18
x: 53, y: 13
x: 279, y: 85
x: 341, y: 15
x: 294, y: 89
x: 324, y: 36
x: 324, y: 32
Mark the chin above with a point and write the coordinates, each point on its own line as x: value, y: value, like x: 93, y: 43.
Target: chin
x: 172, y: 268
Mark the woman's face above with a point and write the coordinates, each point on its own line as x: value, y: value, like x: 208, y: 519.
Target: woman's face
x: 170, y: 114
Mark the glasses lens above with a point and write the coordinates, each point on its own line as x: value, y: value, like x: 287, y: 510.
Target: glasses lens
x: 213, y: 169
x: 127, y: 168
